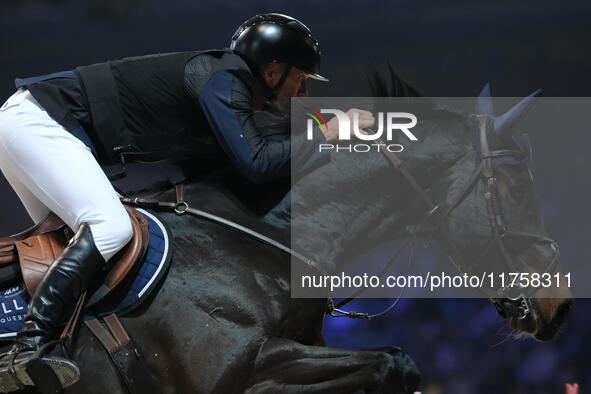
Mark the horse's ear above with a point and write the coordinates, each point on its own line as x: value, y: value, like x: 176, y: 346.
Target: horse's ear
x: 484, y: 103
x: 506, y: 124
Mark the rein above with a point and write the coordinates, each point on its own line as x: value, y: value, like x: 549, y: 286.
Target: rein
x: 516, y: 305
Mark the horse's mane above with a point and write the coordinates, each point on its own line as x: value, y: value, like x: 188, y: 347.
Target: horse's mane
x: 392, y: 85
x: 380, y: 87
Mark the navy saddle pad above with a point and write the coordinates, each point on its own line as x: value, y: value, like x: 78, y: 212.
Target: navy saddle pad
x: 14, y: 300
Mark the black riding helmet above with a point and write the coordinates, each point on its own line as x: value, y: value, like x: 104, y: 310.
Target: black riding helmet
x: 273, y: 37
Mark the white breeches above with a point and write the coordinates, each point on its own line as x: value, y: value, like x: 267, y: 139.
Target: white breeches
x: 51, y: 170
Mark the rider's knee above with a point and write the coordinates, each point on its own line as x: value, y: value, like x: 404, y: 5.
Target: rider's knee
x: 112, y: 235
x: 122, y: 233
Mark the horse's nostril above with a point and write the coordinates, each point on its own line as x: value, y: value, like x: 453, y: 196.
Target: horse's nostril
x: 563, y: 312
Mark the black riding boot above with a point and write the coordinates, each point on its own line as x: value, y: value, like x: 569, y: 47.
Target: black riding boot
x: 72, y: 273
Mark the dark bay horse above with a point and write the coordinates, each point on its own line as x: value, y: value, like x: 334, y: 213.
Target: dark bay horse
x: 223, y: 320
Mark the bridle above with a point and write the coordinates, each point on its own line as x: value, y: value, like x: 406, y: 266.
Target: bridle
x: 514, y: 301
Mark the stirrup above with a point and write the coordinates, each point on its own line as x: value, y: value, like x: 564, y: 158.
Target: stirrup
x: 49, y: 374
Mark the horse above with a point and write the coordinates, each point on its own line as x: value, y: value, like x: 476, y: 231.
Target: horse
x: 223, y: 320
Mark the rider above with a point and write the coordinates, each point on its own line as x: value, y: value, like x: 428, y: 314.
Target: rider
x: 56, y: 129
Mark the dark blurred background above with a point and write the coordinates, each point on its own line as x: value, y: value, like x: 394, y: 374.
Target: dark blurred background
x: 442, y: 48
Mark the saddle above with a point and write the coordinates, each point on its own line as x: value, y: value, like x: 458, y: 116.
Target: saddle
x: 36, y: 248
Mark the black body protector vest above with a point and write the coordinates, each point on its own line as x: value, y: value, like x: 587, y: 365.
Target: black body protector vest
x: 140, y: 107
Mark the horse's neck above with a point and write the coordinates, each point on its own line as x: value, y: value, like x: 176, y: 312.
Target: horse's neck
x: 341, y: 225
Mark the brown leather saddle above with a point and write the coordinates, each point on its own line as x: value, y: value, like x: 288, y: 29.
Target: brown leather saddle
x: 36, y: 248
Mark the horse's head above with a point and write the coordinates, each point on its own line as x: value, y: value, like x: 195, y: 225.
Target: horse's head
x: 495, y: 220
x: 466, y: 182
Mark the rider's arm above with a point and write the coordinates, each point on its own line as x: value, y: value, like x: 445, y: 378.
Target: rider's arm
x: 226, y: 101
